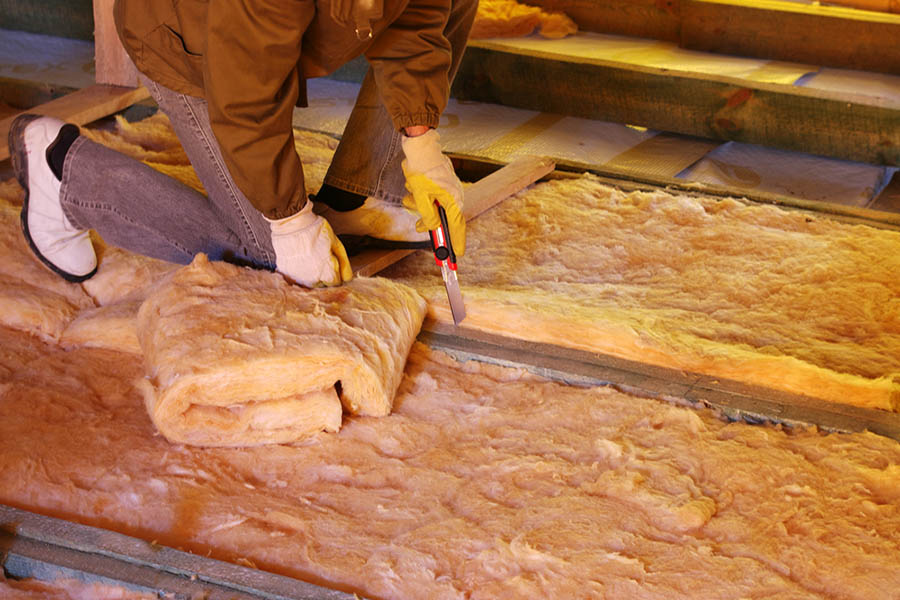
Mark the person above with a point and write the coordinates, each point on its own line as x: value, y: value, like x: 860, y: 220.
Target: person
x: 228, y: 74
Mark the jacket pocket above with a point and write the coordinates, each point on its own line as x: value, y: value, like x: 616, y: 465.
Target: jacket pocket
x: 175, y: 57
x: 191, y: 18
x: 178, y: 44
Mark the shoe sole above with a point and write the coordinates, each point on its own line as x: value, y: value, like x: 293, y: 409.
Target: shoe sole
x: 16, y: 141
x: 334, y: 218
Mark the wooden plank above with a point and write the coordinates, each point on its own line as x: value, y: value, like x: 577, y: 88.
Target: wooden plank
x: 480, y: 196
x: 496, y: 187
x: 112, y: 65
x: 782, y: 30
x: 841, y: 125
x: 655, y: 19
x: 22, y: 93
x: 80, y: 107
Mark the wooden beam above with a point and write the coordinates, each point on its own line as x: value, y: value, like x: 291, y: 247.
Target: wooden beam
x: 80, y: 107
x: 781, y: 30
x: 480, y: 196
x: 839, y: 125
x: 22, y: 93
x: 503, y: 183
x: 655, y: 19
x: 112, y: 65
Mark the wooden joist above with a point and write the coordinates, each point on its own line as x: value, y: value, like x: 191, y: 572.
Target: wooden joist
x: 840, y: 125
x: 774, y: 29
x: 736, y: 400
x: 830, y: 36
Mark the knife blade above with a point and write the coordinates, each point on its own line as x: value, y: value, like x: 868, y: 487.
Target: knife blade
x: 446, y: 259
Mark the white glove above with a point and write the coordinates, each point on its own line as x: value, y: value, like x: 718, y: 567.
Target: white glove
x: 429, y: 178
x: 307, y: 251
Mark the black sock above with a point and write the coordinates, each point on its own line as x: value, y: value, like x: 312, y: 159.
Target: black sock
x: 338, y: 199
x: 57, y: 150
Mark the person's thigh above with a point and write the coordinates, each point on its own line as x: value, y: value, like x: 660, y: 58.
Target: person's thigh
x: 190, y: 120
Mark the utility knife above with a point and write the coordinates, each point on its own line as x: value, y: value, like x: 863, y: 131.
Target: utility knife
x: 446, y: 260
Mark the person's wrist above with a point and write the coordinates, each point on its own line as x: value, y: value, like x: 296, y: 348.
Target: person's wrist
x: 416, y: 130
x: 301, y: 219
x: 423, y: 152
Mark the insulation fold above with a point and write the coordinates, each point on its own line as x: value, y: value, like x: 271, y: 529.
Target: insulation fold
x: 239, y: 357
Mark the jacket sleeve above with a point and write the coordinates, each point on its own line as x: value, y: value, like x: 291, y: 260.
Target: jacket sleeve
x: 251, y: 85
x: 411, y: 64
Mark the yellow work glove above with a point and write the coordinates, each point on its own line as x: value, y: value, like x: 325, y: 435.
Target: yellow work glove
x: 429, y: 178
x: 307, y: 251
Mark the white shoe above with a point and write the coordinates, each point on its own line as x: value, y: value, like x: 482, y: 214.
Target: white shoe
x: 66, y: 250
x: 376, y: 218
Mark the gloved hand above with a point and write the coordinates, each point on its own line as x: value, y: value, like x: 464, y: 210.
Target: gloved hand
x: 430, y: 177
x: 307, y: 251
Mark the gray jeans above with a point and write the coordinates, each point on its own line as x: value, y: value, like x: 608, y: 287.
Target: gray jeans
x: 356, y: 167
x: 140, y: 209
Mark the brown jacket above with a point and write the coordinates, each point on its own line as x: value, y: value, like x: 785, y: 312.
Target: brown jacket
x: 249, y: 58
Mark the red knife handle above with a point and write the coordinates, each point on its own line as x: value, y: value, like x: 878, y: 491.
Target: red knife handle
x: 437, y: 246
x: 440, y: 241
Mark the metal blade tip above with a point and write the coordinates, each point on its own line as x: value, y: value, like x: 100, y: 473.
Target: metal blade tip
x: 457, y: 307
